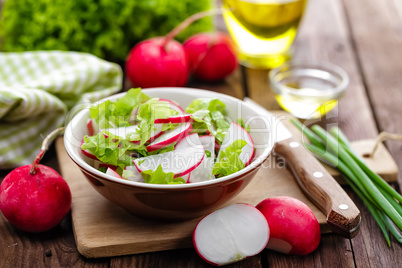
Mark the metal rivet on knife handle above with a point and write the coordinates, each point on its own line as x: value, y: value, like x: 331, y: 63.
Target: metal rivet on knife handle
x: 318, y: 174
x: 294, y: 144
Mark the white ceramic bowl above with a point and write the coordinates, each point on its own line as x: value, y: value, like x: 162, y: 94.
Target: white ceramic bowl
x: 178, y: 201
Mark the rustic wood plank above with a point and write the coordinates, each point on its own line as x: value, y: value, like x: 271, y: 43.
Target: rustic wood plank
x: 324, y: 36
x: 378, y: 42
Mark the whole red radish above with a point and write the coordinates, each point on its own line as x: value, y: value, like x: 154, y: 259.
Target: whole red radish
x: 161, y: 61
x: 154, y: 63
x: 211, y: 56
x: 35, y: 198
x: 293, y: 226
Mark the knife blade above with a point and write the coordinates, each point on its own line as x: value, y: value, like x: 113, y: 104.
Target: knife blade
x: 342, y: 215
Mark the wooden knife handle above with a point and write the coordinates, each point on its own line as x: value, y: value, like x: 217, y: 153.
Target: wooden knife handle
x: 343, y: 216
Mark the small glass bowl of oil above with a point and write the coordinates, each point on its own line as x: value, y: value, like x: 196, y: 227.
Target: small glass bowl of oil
x: 308, y: 90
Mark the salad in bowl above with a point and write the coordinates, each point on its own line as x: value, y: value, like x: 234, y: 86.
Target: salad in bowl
x: 156, y: 140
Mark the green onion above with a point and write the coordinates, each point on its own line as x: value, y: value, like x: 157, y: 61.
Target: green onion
x: 383, y: 202
x: 360, y: 174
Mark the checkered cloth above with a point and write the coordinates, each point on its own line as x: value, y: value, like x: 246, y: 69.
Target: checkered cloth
x: 37, y: 89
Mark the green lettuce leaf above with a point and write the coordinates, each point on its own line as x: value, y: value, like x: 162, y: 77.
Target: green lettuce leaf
x: 109, y: 114
x: 160, y: 177
x: 229, y: 161
x: 112, y: 151
x: 209, y: 114
x: 147, y: 113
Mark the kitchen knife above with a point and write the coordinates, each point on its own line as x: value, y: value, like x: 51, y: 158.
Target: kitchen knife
x: 343, y: 217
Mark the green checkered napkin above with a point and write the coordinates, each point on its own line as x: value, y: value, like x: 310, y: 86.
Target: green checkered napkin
x: 36, y: 91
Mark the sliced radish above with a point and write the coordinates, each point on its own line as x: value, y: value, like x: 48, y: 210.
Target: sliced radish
x: 136, y: 176
x: 204, y: 171
x: 174, y: 106
x: 180, y: 162
x: 234, y: 133
x: 191, y: 140
x: 231, y: 234
x: 185, y: 118
x: 87, y: 153
x: 98, y: 164
x: 169, y: 137
x: 186, y: 177
x: 123, y: 131
x: 92, y: 127
x: 113, y: 173
x: 133, y: 115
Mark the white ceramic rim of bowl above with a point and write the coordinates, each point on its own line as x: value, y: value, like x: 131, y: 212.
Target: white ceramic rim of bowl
x: 318, y: 65
x: 254, y: 164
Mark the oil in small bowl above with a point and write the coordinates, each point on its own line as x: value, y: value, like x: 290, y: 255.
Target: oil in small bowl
x: 308, y: 90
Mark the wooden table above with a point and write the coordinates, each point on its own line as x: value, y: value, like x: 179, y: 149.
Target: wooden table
x: 362, y: 36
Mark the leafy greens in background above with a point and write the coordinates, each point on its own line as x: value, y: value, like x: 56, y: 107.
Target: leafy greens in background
x: 105, y: 28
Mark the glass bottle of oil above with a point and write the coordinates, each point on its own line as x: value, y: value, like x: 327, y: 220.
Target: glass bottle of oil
x: 264, y: 30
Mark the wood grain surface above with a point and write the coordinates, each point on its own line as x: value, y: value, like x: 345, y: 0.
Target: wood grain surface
x: 364, y: 38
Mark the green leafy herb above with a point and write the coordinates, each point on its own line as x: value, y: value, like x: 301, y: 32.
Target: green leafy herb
x: 160, y: 177
x: 102, y: 169
x: 209, y: 114
x: 229, y: 161
x: 147, y: 113
x: 107, y: 28
x: 112, y: 151
x: 241, y: 123
x: 109, y: 114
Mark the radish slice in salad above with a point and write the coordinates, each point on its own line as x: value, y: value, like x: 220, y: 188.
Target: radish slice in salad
x: 180, y: 162
x: 174, y: 119
x: 169, y: 137
x: 173, y: 105
x: 134, y: 174
x: 113, y: 173
x: 234, y: 133
x: 123, y: 131
x: 204, y: 171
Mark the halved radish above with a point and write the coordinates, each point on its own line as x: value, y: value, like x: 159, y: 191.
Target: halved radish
x: 173, y: 105
x: 180, y: 162
x: 231, y: 234
x: 169, y: 137
x: 92, y: 127
x: 113, y: 173
x: 136, y: 176
x: 234, y: 133
x: 185, y: 118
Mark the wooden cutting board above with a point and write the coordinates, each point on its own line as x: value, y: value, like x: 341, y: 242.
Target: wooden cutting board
x: 102, y: 229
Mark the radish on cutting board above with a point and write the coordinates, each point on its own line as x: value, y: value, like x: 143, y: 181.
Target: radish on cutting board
x: 231, y: 234
x: 234, y: 133
x: 293, y: 226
